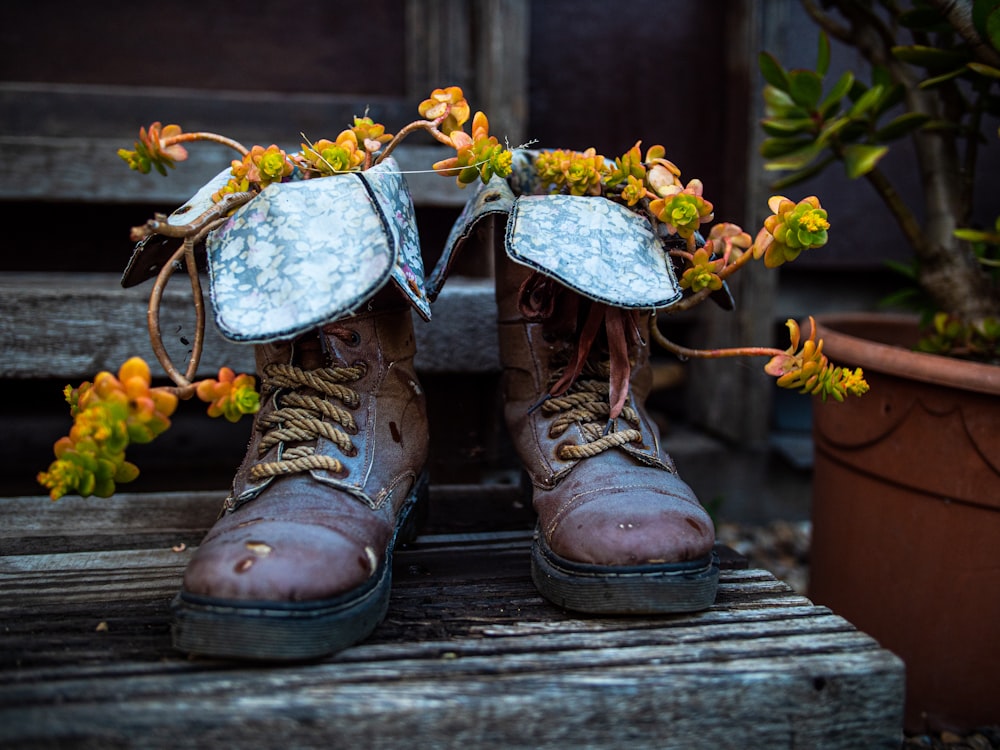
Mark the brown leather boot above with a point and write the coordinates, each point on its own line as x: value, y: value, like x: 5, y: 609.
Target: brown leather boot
x: 299, y: 563
x: 618, y: 531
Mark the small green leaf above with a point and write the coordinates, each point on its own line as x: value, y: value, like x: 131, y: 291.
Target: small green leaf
x: 778, y: 103
x: 860, y: 159
x: 975, y: 235
x: 838, y: 92
x: 832, y: 128
x: 795, y: 159
x: 929, y: 83
x: 941, y: 126
x: 881, y: 77
x: 932, y: 58
x: 772, y: 71
x: 993, y: 27
x: 908, y: 270
x: 891, y: 96
x: 787, y: 126
x: 867, y: 101
x: 901, y: 126
x: 985, y: 70
x: 823, y: 54
x: 772, y: 148
x: 802, y: 175
x: 806, y: 88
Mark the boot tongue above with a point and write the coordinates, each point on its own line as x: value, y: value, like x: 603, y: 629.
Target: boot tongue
x: 309, y: 353
x: 542, y: 298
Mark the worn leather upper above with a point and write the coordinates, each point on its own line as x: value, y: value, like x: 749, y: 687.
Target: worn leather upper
x: 316, y: 534
x: 623, y: 506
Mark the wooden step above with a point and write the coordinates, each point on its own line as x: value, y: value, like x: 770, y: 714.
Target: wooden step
x: 469, y: 655
x: 73, y: 325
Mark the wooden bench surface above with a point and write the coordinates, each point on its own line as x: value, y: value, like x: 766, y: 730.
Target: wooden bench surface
x: 469, y: 655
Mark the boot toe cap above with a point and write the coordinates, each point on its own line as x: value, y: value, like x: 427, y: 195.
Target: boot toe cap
x: 635, y: 525
x: 279, y: 561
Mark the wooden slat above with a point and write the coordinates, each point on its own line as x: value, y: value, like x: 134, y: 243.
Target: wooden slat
x: 89, y: 170
x: 469, y: 654
x: 74, y: 325
x: 60, y: 142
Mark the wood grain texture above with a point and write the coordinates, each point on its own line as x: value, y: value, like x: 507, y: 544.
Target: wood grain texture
x: 73, y: 325
x: 469, y: 655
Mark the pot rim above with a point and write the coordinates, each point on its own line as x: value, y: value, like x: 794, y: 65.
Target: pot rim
x: 844, y: 348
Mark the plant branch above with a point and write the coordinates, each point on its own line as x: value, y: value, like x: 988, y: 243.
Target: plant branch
x: 205, y: 136
x: 431, y: 126
x: 959, y: 15
x: 685, y: 353
x: 153, y: 316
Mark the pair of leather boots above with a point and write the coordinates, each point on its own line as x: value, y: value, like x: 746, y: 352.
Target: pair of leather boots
x: 299, y: 563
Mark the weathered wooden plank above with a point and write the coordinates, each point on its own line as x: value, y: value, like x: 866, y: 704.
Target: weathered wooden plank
x: 73, y: 325
x: 35, y: 525
x: 60, y: 142
x: 643, y: 708
x: 89, y: 170
x: 461, y: 657
x: 60, y: 110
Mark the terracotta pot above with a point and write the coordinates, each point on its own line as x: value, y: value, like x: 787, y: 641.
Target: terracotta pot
x: 906, y: 515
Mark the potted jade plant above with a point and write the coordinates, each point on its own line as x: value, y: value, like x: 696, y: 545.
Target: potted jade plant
x: 906, y: 497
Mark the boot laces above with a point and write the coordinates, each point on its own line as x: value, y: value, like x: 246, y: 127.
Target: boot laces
x: 586, y: 403
x: 305, y: 410
x: 590, y: 389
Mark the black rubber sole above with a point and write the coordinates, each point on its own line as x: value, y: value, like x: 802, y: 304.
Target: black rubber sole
x: 624, y: 590
x: 287, y: 631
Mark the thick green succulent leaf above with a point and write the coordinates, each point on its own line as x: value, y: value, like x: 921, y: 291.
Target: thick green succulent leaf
x: 932, y: 58
x: 772, y: 148
x: 840, y: 89
x: 861, y: 158
x: 902, y: 126
x: 941, y: 126
x: 798, y: 159
x: 779, y: 104
x: 806, y: 88
x: 772, y: 71
x: 867, y: 101
x: 992, y: 23
x: 801, y: 175
x: 951, y: 75
x: 787, y: 126
x: 985, y: 70
x: 832, y: 128
x: 823, y: 54
x: 892, y: 95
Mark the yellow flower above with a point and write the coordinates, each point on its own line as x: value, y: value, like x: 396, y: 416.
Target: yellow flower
x: 811, y: 372
x: 792, y: 228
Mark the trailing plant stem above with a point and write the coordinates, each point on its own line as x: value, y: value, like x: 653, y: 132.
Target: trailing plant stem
x: 686, y: 353
x: 206, y: 136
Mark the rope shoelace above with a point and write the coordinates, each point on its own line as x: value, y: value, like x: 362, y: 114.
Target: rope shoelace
x: 301, y: 418
x: 591, y: 394
x: 586, y: 403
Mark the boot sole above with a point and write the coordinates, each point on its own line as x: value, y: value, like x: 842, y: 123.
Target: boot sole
x: 293, y: 631
x: 624, y: 590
